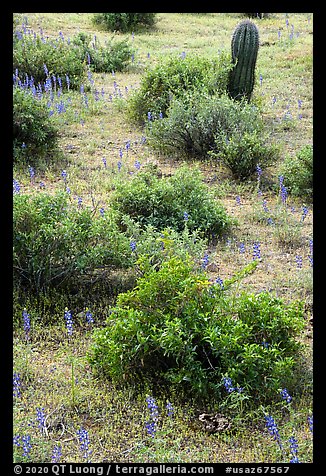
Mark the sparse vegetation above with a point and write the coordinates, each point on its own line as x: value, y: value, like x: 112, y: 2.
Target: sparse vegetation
x: 180, y: 291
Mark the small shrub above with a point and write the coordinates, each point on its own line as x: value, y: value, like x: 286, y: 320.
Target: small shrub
x: 40, y: 59
x: 203, y: 126
x: 242, y: 150
x: 114, y: 56
x: 171, y: 78
x: 298, y: 173
x: 56, y: 243
x: 163, y: 202
x: 34, y: 133
x: 124, y: 21
x: 179, y: 329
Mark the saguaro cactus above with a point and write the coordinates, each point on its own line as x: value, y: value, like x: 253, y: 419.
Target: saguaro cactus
x: 244, y: 48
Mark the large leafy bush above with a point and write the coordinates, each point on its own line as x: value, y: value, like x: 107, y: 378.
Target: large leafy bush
x: 181, y: 330
x: 171, y: 202
x: 171, y: 78
x: 34, y: 132
x: 55, y: 242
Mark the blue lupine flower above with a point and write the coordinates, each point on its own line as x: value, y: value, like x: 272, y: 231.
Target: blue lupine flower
x: 104, y: 161
x: 26, y: 441
x: 69, y: 321
x: 273, y: 430
x: 15, y: 186
x: 298, y: 260
x: 228, y: 384
x: 16, y: 385
x: 102, y: 212
x: 151, y: 425
x: 31, y: 172
x: 89, y: 316
x: 256, y: 250
x: 79, y: 202
x: 149, y: 116
x: 294, y: 449
x: 241, y: 247
x: 15, y: 440
x: 311, y: 423
x: 185, y: 216
x: 238, y: 199
x: 304, y: 212
x: 119, y: 165
x: 285, y: 395
x: 170, y: 409
x: 84, y: 443
x: 40, y: 416
x: 26, y: 323
x: 220, y: 282
x: 261, y: 79
x: 133, y: 245
x: 205, y: 261
x: 310, y: 257
x: 56, y: 454
x: 64, y: 175
x: 137, y: 164
x: 264, y: 203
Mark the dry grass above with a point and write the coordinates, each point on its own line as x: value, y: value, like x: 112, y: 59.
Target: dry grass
x: 115, y: 417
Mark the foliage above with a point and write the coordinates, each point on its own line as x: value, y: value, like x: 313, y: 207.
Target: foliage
x: 34, y: 133
x: 114, y: 56
x: 171, y: 78
x: 178, y: 328
x: 124, y: 21
x: 40, y: 59
x: 243, y: 148
x: 55, y: 242
x: 298, y: 172
x: 163, y: 202
x: 203, y: 126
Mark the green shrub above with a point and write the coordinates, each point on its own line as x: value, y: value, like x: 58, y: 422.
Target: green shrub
x: 163, y: 202
x: 241, y: 150
x: 55, y: 242
x: 124, y: 21
x: 32, y: 52
x: 114, y: 56
x: 203, y: 126
x: 298, y: 173
x: 34, y: 132
x: 181, y: 330
x: 171, y: 78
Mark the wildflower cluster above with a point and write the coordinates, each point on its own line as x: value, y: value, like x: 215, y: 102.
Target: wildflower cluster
x: 151, y: 425
x: 285, y: 395
x: 229, y: 386
x: 273, y: 430
x: 84, y: 444
x: 16, y: 385
x: 27, y: 323
x: 69, y: 321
